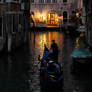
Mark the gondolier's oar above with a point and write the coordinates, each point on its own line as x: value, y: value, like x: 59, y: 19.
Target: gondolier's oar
x: 36, y: 66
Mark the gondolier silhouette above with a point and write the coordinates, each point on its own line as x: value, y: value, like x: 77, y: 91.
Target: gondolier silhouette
x: 50, y: 54
x: 54, y: 48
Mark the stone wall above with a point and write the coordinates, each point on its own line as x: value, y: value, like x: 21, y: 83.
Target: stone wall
x: 90, y: 23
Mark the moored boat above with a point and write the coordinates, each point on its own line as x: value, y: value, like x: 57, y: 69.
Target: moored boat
x: 82, y: 55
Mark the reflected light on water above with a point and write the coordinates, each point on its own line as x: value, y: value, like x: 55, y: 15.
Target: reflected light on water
x: 43, y: 40
x: 38, y: 39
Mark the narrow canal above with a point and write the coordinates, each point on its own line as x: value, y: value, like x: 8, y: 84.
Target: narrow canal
x: 19, y: 72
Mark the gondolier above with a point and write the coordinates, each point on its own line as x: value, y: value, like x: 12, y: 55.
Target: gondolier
x: 54, y: 48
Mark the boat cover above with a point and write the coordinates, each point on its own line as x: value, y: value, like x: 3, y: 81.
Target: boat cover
x: 81, y: 53
x: 45, y: 54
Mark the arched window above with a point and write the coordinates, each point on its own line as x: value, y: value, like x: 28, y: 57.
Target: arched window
x: 65, y: 16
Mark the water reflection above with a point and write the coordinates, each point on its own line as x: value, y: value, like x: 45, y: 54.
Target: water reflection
x: 19, y: 72
x: 38, y: 39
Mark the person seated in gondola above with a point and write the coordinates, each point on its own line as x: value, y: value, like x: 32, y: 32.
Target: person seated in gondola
x: 53, y: 68
x: 46, y: 53
x: 55, y: 74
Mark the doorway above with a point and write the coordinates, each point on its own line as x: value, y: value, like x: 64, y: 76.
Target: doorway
x: 65, y: 16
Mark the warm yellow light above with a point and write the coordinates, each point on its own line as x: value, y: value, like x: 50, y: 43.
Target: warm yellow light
x: 77, y: 14
x: 52, y: 19
x: 41, y: 17
x: 60, y: 17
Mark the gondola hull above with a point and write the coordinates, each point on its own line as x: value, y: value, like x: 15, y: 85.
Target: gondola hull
x: 47, y: 78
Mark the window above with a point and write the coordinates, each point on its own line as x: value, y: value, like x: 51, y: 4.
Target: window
x: 54, y: 1
x: 91, y: 8
x: 64, y: 1
x: 15, y: 0
x: 65, y: 16
x: 1, y: 26
x: 48, y: 1
x: 15, y: 23
x: 1, y: 0
x: 32, y: 1
x: 41, y: 1
x: 20, y: 23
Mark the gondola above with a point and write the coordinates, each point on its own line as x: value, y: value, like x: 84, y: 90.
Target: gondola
x: 48, y: 76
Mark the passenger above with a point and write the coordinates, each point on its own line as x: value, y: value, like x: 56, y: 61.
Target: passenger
x: 53, y: 67
x: 45, y: 48
x: 46, y: 53
x: 57, y: 67
x: 54, y: 48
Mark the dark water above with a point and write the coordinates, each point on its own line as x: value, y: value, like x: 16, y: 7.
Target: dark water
x: 19, y: 72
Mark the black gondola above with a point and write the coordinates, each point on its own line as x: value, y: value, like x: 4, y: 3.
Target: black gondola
x: 51, y: 74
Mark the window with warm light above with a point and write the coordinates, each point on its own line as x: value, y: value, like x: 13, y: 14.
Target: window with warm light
x: 52, y: 19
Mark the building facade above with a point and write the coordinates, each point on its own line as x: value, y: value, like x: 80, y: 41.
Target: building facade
x: 2, y: 23
x: 14, y: 23
x: 88, y: 9
x: 41, y: 9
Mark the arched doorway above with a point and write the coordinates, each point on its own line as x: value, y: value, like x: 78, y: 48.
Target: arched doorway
x: 65, y: 16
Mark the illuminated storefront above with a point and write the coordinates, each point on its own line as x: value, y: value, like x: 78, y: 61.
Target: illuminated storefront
x: 52, y: 19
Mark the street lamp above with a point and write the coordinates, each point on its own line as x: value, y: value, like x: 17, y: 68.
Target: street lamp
x: 77, y: 14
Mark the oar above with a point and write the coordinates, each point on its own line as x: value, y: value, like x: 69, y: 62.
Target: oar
x: 36, y: 66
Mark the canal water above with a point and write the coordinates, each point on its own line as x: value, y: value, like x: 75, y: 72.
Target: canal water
x: 19, y: 72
